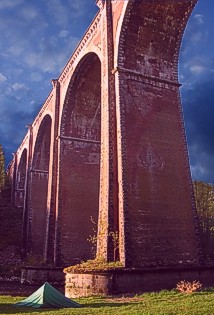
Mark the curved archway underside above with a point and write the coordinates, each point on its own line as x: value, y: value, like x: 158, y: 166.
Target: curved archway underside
x: 21, y: 178
x: 80, y: 161
x: 152, y: 33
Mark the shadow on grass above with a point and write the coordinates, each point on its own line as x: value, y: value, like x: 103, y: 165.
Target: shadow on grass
x: 11, y: 309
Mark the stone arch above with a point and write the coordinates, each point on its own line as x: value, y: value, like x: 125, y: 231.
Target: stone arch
x: 153, y: 40
x: 80, y: 160
x: 155, y: 177
x: 39, y: 187
x: 21, y: 180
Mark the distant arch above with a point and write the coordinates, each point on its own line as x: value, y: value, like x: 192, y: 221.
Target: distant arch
x: 39, y: 187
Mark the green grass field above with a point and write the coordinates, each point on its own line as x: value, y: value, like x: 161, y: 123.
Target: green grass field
x: 162, y: 303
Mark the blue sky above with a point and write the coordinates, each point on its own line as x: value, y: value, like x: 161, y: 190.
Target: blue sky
x: 37, y: 39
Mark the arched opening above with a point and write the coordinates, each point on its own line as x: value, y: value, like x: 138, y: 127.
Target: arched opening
x: 20, y: 182
x: 157, y: 186
x: 39, y: 187
x: 80, y: 161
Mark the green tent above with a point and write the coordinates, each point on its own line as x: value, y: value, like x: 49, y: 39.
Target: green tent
x: 48, y: 297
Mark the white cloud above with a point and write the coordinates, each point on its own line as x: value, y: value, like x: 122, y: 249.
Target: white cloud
x: 197, y: 66
x: 78, y: 7
x: 199, y: 18
x: 188, y: 85
x: 59, y: 12
x: 9, y: 4
x: 63, y: 33
x: 17, y: 47
x: 197, y: 69
x: 40, y: 61
x: 196, y: 37
x: 2, y: 78
x: 202, y: 166
x: 18, y: 86
x: 198, y: 170
x: 50, y: 58
x: 36, y: 76
x: 29, y: 12
x: 62, y: 12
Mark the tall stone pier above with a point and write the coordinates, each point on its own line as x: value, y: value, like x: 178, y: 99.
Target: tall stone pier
x: 146, y: 189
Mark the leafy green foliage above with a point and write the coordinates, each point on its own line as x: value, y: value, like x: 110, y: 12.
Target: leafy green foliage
x: 94, y: 238
x: 204, y: 197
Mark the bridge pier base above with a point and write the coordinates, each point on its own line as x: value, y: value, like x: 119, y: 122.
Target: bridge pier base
x: 134, y: 281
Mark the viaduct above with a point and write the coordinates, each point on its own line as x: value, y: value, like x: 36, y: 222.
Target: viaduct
x: 108, y: 146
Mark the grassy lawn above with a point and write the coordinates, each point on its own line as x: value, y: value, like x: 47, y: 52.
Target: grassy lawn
x: 162, y: 303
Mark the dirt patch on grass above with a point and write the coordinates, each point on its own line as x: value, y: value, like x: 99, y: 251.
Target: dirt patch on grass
x: 124, y: 299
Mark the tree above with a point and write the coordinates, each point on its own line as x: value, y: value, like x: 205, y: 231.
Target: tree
x: 204, y: 197
x: 2, y: 168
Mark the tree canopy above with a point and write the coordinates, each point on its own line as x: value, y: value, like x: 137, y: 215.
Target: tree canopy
x: 2, y: 168
x: 204, y: 197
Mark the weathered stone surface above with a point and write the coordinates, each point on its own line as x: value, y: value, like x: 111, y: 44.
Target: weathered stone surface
x: 134, y: 281
x: 39, y: 275
x: 87, y: 285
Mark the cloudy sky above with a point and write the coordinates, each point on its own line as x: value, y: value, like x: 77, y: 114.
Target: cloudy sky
x: 37, y: 39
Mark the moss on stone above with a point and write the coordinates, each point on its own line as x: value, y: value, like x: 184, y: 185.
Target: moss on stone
x: 97, y: 264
